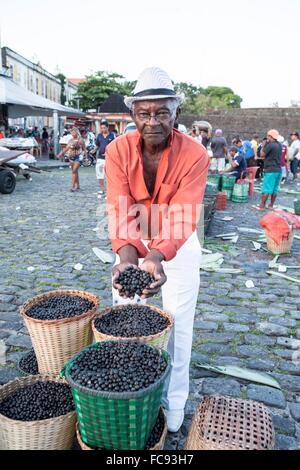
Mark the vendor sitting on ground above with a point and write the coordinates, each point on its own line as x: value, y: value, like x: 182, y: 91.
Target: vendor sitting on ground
x: 237, y: 163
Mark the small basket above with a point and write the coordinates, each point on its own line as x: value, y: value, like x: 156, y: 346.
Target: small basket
x: 56, y: 341
x: 297, y: 207
x: 158, y: 446
x: 47, y: 434
x: 114, y: 420
x: 283, y: 247
x: 228, y: 182
x: 240, y: 192
x: 159, y: 340
x: 225, y: 423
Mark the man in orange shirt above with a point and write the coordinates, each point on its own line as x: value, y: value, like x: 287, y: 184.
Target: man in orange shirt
x: 156, y: 179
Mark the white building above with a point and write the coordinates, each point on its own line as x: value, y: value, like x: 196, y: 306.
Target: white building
x: 34, y: 78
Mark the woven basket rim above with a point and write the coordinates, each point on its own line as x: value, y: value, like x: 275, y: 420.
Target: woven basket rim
x: 108, y: 310
x: 116, y: 395
x: 30, y: 380
x: 56, y: 293
x: 84, y: 446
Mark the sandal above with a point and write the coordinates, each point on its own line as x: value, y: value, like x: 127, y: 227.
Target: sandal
x: 259, y: 208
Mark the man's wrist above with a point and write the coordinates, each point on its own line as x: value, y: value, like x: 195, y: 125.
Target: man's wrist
x: 128, y: 254
x: 155, y: 255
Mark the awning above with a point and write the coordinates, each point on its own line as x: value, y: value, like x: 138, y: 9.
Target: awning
x: 22, y: 102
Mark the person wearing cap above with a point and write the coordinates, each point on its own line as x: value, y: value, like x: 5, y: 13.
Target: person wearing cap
x: 237, y: 162
x: 294, y: 154
x: 156, y: 178
x: 219, y: 149
x: 103, y: 139
x: 272, y: 169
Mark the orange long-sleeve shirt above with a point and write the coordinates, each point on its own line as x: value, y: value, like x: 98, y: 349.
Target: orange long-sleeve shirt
x: 178, y: 193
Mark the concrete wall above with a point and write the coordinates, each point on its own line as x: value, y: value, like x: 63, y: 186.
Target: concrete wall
x: 246, y: 122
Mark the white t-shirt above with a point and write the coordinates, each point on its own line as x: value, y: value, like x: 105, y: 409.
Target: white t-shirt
x: 292, y: 148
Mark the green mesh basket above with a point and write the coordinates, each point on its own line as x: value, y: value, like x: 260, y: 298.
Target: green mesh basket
x: 240, y: 192
x: 114, y: 420
x: 228, y: 193
x: 214, y: 180
x: 297, y: 207
x: 228, y: 182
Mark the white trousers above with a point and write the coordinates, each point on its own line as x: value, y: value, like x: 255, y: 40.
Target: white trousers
x: 179, y: 295
x: 217, y: 164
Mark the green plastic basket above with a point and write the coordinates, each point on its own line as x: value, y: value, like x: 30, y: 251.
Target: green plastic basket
x: 214, y: 180
x: 228, y: 182
x: 228, y: 193
x: 114, y: 420
x: 297, y: 207
x: 240, y: 192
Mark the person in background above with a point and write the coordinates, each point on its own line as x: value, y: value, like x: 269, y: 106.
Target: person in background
x: 254, y: 143
x: 103, y: 139
x: 219, y: 150
x: 45, y: 140
x: 260, y: 160
x: 294, y: 154
x: 35, y: 133
x: 237, y: 163
x: 249, y: 153
x: 271, y: 152
x: 205, y: 139
x: 195, y: 134
x: 283, y: 159
x: 2, y: 135
x: 75, y: 149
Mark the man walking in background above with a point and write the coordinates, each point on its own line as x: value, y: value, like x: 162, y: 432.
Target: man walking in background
x: 219, y: 149
x: 294, y: 154
x: 103, y: 139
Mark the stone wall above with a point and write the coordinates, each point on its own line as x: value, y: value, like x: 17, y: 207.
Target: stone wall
x: 249, y: 121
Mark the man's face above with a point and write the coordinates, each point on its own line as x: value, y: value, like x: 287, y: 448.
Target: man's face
x: 103, y: 129
x: 155, y: 119
x: 294, y: 137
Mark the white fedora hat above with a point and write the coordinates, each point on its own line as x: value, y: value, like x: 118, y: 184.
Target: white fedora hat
x: 153, y: 84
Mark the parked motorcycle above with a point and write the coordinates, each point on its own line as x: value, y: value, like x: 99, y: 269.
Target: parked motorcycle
x: 90, y: 159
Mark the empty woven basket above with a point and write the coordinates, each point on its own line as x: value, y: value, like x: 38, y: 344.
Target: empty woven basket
x: 225, y: 423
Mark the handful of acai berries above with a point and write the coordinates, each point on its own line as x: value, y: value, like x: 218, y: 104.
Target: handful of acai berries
x: 134, y: 280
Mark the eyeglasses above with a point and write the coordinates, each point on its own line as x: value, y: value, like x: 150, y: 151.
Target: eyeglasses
x: 161, y: 116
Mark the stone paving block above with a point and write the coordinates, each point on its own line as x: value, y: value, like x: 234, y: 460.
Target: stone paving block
x: 7, y: 374
x: 219, y: 349
x: 284, y: 425
x: 236, y: 327
x: 289, y: 342
x: 298, y: 333
x: 22, y: 341
x: 291, y: 367
x: 4, y: 298
x: 287, y: 322
x: 4, y: 307
x: 211, y: 386
x: 288, y: 382
x: 295, y: 411
x: 205, y: 325
x: 268, y: 395
x: 217, y: 317
x: 229, y: 361
x: 240, y: 295
x: 226, y: 301
x: 216, y: 337
x: 270, y: 311
x: 284, y: 353
x: 250, y: 351
x: 261, y: 364
x: 272, y: 329
x: 260, y: 339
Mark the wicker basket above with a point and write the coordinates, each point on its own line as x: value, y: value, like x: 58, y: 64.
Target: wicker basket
x: 225, y: 423
x: 114, y: 420
x: 158, y: 446
x: 47, y: 434
x: 19, y: 367
x: 159, y: 340
x: 283, y: 247
x: 56, y: 341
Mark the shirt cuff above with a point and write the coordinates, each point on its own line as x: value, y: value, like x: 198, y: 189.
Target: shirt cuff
x: 165, y: 247
x: 140, y: 247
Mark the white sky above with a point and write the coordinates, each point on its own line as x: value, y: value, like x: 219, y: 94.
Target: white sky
x: 248, y: 45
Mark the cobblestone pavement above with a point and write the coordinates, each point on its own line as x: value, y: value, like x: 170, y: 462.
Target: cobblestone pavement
x: 45, y: 227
